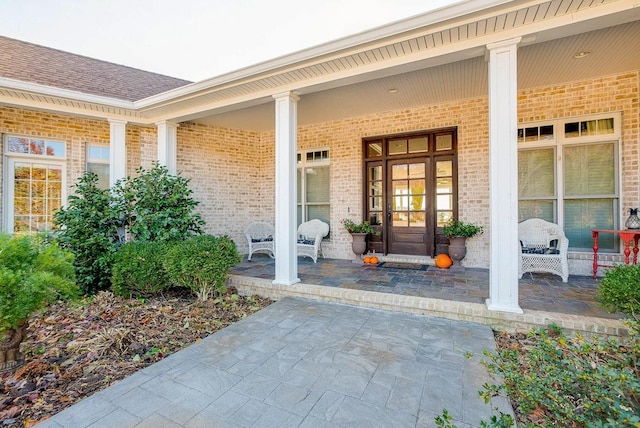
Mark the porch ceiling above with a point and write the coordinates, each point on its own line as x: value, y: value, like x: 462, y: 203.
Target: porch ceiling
x: 542, y: 60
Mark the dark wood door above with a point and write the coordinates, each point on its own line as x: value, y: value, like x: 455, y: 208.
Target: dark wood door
x: 408, y: 206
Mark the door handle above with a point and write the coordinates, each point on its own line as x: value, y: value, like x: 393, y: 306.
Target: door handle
x: 389, y: 213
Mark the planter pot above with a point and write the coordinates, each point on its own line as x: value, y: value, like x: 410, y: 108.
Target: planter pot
x: 457, y: 249
x: 10, y: 355
x: 359, y: 245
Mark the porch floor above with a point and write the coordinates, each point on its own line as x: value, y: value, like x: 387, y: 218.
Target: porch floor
x: 537, y: 291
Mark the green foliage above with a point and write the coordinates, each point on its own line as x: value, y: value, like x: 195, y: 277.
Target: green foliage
x: 571, y: 381
x: 456, y: 229
x: 154, y: 206
x: 160, y: 206
x: 88, y: 227
x: 364, y: 227
x: 32, y: 273
x: 620, y: 290
x: 138, y: 269
x: 201, y: 264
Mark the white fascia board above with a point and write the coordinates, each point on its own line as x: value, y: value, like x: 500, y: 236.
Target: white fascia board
x: 52, y: 91
x: 455, y: 10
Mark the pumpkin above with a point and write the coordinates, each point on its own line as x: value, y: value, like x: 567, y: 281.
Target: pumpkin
x: 374, y: 260
x: 367, y: 259
x: 443, y: 261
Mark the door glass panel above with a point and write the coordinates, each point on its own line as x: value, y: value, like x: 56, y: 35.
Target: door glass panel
x: 444, y: 185
x: 444, y: 142
x: 375, y: 173
x: 444, y: 217
x: 374, y: 150
x: 375, y: 188
x: 400, y: 188
x: 375, y: 204
x: 399, y: 172
x: 416, y: 170
x: 444, y: 168
x: 397, y: 147
x: 417, y: 219
x: 445, y: 202
x: 417, y: 145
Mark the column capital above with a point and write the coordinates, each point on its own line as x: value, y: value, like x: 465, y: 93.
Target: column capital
x: 117, y: 121
x: 504, y: 43
x: 167, y: 123
x: 289, y: 94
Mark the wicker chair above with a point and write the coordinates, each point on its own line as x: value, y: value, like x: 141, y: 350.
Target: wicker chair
x: 543, y: 248
x: 260, y: 236
x: 310, y: 236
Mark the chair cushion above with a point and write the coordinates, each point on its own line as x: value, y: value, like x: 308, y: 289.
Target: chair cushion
x: 267, y: 239
x: 305, y: 241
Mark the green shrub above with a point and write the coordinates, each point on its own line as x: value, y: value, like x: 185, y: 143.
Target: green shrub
x: 153, y: 206
x: 160, y: 206
x: 32, y: 273
x: 201, y: 264
x: 88, y: 226
x: 138, y: 269
x: 571, y: 381
x: 620, y: 290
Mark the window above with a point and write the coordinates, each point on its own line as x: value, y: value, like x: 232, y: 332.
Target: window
x: 568, y: 174
x: 34, y: 183
x: 313, y: 186
x: 98, y: 163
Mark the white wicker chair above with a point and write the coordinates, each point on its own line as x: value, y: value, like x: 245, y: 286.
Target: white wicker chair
x: 260, y: 236
x: 310, y: 236
x: 543, y: 248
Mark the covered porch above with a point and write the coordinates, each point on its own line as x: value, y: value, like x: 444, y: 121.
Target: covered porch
x: 417, y: 286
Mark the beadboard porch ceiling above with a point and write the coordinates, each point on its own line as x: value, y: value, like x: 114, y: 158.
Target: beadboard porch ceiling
x: 540, y: 63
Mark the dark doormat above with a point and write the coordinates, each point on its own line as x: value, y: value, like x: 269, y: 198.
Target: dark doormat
x: 397, y: 265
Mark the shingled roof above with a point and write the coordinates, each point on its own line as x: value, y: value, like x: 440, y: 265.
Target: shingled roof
x: 33, y: 63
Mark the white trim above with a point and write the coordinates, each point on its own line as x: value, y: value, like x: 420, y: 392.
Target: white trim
x: 117, y: 151
x: 286, y: 269
x: 503, y: 176
x: 168, y: 145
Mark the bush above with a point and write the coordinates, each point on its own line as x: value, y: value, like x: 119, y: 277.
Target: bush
x: 570, y: 381
x: 160, y: 206
x: 620, y: 290
x: 201, y: 264
x: 88, y: 227
x: 152, y: 207
x: 32, y: 273
x: 138, y: 269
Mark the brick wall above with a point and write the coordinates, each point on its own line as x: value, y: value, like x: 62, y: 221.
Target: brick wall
x: 233, y: 171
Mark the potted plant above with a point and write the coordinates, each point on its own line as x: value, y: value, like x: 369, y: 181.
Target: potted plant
x: 32, y: 273
x: 359, y: 232
x: 458, y: 232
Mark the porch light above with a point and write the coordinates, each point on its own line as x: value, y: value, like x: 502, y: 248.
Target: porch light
x: 581, y: 54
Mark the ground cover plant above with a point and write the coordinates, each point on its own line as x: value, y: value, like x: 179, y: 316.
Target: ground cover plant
x: 75, y: 349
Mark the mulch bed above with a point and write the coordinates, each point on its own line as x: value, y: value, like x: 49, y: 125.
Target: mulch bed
x: 74, y: 350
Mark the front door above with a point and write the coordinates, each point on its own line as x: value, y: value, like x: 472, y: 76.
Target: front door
x: 407, y: 207
x: 411, y: 191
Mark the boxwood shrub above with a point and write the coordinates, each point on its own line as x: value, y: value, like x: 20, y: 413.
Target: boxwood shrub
x: 138, y: 269
x: 201, y: 264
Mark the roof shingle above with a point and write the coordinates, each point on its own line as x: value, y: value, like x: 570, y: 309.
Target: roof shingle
x: 33, y: 63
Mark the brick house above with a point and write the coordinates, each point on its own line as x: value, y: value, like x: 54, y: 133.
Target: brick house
x: 487, y: 111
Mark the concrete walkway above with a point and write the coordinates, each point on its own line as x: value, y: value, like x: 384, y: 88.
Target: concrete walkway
x: 304, y: 363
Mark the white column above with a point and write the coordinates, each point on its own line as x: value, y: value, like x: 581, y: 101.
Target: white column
x: 117, y: 150
x: 167, y: 145
x: 286, y: 146
x: 503, y: 182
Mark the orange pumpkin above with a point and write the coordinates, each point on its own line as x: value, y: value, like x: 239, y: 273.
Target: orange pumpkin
x: 367, y: 260
x: 443, y: 261
x: 374, y: 260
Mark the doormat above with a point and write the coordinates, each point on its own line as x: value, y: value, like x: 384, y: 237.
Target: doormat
x: 397, y: 265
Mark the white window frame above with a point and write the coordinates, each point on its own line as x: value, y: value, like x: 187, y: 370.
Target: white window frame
x: 8, y: 166
x: 319, y: 160
x: 99, y: 161
x: 560, y: 141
